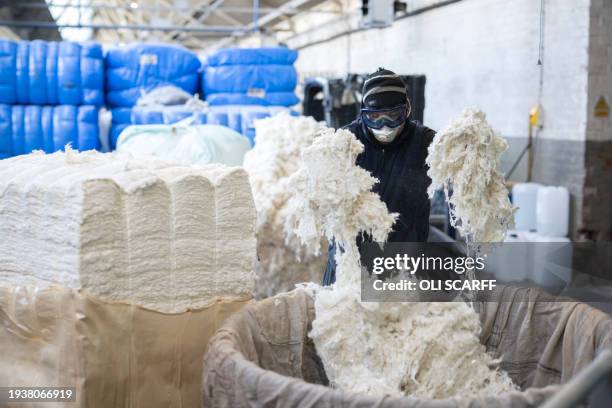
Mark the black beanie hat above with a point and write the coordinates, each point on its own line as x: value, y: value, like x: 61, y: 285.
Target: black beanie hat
x: 383, y: 89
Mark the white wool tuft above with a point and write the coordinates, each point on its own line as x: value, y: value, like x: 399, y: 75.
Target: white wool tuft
x: 464, y: 157
x: 428, y: 350
x: 330, y: 187
x: 283, y: 262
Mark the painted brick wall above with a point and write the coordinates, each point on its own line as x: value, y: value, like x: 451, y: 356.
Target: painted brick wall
x: 597, y: 203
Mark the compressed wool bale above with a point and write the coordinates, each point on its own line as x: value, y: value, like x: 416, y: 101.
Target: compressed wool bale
x: 147, y: 209
x: 427, y: 350
x: 465, y: 156
x: 234, y: 231
x: 283, y: 262
x: 193, y: 234
x: 127, y: 229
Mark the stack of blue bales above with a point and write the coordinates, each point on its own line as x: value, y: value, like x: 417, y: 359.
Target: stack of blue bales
x: 240, y: 85
x: 251, y: 76
x: 139, y: 68
x: 251, y: 83
x: 50, y: 93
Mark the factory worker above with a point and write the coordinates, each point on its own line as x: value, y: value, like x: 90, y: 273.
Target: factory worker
x: 395, y: 149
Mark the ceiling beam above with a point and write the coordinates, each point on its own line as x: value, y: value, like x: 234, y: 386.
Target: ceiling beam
x: 261, y: 21
x: 135, y: 27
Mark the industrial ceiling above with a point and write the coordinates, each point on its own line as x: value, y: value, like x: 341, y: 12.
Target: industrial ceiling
x: 194, y: 23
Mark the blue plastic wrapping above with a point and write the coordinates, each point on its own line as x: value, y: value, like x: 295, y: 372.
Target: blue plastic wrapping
x: 49, y: 73
x: 217, y: 118
x: 92, y: 74
x: 121, y: 116
x: 8, y: 68
x: 237, y: 117
x: 51, y: 68
x: 18, y: 133
x: 24, y: 128
x: 266, y: 99
x: 68, y: 73
x: 64, y: 129
x: 234, y: 120
x: 129, y: 96
x: 140, y: 68
x: 114, y: 133
x: 21, y: 72
x: 37, y: 73
x: 33, y: 134
x: 244, y: 78
x: 142, y: 115
x: 241, y: 117
x: 252, y: 56
x: 6, y: 131
x: 163, y: 60
x: 87, y: 128
x: 47, y: 128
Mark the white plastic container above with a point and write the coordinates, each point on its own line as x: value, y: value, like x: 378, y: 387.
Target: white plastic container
x: 509, y: 262
x: 524, y: 196
x: 550, y: 260
x: 552, y: 211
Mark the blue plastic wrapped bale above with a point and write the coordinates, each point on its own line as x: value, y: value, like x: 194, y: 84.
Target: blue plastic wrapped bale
x: 167, y: 115
x: 18, y: 131
x: 51, y: 68
x: 140, y: 68
x: 263, y: 99
x: 33, y: 133
x: 87, y: 128
x: 249, y: 78
x: 162, y: 60
x: 217, y: 118
x: 248, y: 120
x: 49, y: 73
x: 80, y: 74
x: 21, y: 72
x: 46, y: 120
x: 8, y: 67
x: 77, y: 125
x: 121, y: 116
x: 140, y: 117
x: 64, y: 129
x: 92, y: 74
x: 6, y: 131
x: 37, y: 62
x: 252, y: 56
x: 173, y: 116
x: 129, y: 97
x: 234, y: 120
x: 25, y: 128
x: 240, y: 117
x: 115, y: 132
x: 69, y: 73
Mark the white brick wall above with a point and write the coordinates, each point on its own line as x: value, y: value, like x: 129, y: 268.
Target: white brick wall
x: 477, y: 52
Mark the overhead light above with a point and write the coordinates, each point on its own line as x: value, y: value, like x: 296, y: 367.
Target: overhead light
x: 133, y: 5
